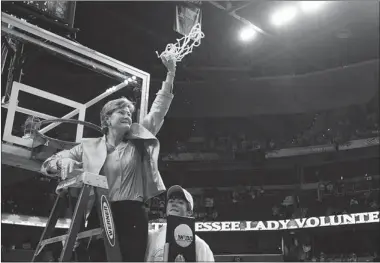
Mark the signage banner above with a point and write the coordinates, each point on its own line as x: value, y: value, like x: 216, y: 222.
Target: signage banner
x: 219, y: 226
x: 354, y: 144
x: 300, y: 151
x: 359, y: 143
x: 322, y: 221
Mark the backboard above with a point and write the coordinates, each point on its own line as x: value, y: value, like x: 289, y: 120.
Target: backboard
x: 123, y: 75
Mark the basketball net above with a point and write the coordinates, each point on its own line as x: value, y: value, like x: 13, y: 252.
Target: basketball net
x: 184, y: 45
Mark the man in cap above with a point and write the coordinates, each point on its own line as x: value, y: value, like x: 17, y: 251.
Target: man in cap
x: 179, y: 203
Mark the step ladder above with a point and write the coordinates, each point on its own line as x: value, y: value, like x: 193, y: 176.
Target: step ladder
x: 87, y: 182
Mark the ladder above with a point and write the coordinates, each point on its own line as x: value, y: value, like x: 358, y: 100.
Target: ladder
x: 87, y: 182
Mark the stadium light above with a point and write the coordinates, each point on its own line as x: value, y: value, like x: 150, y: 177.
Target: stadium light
x: 311, y: 6
x: 284, y: 16
x: 248, y: 33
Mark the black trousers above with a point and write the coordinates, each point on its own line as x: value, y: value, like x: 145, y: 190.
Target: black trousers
x: 131, y: 224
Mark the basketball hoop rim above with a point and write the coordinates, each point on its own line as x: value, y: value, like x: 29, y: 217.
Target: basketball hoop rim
x: 84, y: 123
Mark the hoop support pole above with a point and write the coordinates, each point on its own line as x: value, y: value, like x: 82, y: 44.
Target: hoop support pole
x: 105, y: 94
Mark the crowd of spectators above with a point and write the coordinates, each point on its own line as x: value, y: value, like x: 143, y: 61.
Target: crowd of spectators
x: 256, y: 203
x: 233, y: 204
x: 233, y: 136
x: 305, y: 252
x: 37, y: 195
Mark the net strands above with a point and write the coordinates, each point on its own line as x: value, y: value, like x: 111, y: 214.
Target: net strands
x: 32, y: 123
x: 184, y: 45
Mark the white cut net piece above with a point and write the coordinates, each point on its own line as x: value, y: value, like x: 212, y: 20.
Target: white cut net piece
x: 184, y: 45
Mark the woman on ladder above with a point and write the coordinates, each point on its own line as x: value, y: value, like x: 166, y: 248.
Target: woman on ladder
x: 127, y: 155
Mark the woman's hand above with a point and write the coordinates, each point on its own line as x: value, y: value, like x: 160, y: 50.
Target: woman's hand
x: 169, y: 63
x: 67, y: 165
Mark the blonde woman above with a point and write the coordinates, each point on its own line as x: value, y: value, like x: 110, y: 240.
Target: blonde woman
x: 127, y: 155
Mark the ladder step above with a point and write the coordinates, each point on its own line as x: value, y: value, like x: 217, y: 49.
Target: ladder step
x: 81, y: 235
x: 82, y: 178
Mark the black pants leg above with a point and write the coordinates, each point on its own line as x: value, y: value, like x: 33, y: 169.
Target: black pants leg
x: 131, y: 224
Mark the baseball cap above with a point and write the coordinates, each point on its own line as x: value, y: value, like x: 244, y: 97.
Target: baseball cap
x: 175, y: 189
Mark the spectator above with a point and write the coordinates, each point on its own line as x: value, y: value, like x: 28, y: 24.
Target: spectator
x: 180, y: 203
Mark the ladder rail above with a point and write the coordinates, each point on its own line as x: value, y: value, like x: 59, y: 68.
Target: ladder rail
x: 90, y: 184
x: 75, y: 226
x: 50, y: 225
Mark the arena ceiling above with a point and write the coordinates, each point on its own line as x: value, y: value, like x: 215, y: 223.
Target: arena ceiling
x: 340, y: 34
